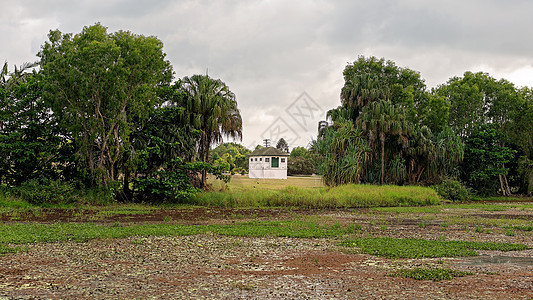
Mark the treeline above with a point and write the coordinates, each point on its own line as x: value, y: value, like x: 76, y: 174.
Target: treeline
x: 390, y: 129
x: 101, y: 116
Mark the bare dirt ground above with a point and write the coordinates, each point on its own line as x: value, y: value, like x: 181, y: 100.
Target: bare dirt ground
x: 220, y: 267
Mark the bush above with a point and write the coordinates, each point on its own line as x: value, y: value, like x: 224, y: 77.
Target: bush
x: 301, y: 166
x: 452, y: 190
x: 97, y: 195
x: 45, y: 191
x: 177, y: 182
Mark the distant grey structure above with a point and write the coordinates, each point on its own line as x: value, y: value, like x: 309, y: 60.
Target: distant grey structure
x: 269, y: 163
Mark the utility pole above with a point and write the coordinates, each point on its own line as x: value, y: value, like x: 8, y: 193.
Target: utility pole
x: 266, y: 142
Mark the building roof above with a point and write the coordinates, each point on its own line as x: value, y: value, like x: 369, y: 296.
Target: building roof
x: 268, y: 151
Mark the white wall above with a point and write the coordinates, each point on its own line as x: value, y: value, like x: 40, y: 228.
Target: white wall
x: 263, y: 169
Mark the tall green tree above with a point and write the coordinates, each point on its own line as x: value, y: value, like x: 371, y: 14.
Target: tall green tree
x: 97, y: 83
x: 521, y: 135
x: 367, y: 80
x: 342, y: 152
x: 239, y: 160
x: 476, y: 100
x: 29, y: 141
x: 484, y: 161
x: 431, y: 157
x: 211, y: 108
x: 299, y: 152
x: 282, y: 145
x: 380, y: 119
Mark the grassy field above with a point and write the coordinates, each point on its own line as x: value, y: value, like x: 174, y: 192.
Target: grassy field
x: 243, y: 183
x: 309, y: 192
x: 380, y: 233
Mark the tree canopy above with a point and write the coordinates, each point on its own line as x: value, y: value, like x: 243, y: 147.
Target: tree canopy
x: 211, y: 107
x: 100, y: 84
x: 474, y: 128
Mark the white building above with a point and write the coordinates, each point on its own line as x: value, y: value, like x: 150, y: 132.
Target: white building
x: 268, y: 162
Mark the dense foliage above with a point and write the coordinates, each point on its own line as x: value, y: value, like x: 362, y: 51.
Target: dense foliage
x: 99, y: 85
x: 220, y: 156
x: 473, y: 128
x: 101, y: 115
x: 301, y: 162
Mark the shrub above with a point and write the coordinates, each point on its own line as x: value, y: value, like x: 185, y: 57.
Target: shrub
x: 301, y: 166
x: 452, y: 190
x: 97, y: 195
x: 45, y: 191
x: 176, y: 183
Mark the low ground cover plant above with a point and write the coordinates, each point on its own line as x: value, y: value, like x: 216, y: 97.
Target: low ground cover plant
x: 419, y: 248
x: 26, y: 233
x: 435, y: 274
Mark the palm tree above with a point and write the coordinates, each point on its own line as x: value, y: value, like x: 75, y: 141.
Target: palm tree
x: 342, y: 152
x: 211, y: 108
x: 361, y: 89
x: 421, y: 154
x: 382, y: 118
x: 450, y: 150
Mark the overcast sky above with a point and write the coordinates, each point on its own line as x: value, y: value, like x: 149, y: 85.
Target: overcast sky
x: 284, y: 59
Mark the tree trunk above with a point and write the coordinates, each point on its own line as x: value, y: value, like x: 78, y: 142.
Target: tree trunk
x: 203, y: 157
x: 382, y: 137
x: 502, y: 189
x: 420, y: 174
x: 126, y: 188
x: 504, y: 186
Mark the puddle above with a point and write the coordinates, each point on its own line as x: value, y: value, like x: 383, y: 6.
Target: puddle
x: 486, y: 259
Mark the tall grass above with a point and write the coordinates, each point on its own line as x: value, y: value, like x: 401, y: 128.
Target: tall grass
x: 344, y: 196
x: 7, y: 202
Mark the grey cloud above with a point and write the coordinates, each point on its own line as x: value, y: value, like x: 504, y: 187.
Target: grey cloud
x: 268, y: 52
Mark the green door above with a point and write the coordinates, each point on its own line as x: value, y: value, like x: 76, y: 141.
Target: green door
x: 275, y: 162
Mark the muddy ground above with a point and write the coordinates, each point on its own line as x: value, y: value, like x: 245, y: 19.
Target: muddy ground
x: 220, y: 267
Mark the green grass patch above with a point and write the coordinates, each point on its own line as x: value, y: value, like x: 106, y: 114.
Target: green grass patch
x: 243, y: 183
x: 5, y: 249
x: 477, y: 221
x: 410, y: 209
x: 435, y: 274
x: 344, y: 196
x: 483, y: 207
x: 418, y: 248
x: 501, y: 198
x: 125, y: 209
x: 8, y: 203
x: 80, y: 232
x: 524, y: 228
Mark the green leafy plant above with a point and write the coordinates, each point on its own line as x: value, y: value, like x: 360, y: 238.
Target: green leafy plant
x: 175, y: 182
x: 435, y: 274
x: 44, y: 191
x: 452, y: 190
x: 418, y: 248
